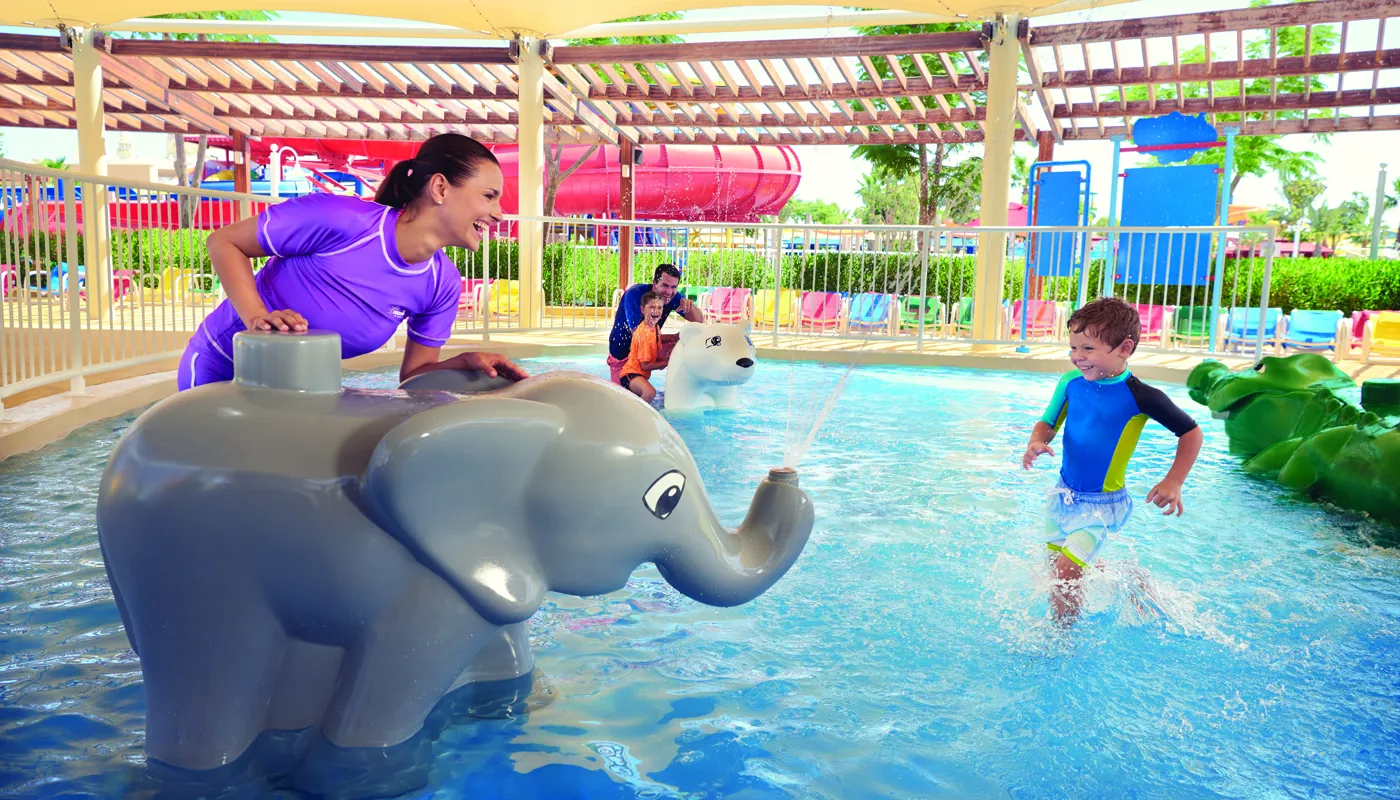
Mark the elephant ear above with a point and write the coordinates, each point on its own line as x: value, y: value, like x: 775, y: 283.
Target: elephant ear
x: 451, y: 484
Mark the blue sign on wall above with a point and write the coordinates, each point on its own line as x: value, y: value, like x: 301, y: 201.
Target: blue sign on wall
x: 1057, y: 203
x: 1167, y: 196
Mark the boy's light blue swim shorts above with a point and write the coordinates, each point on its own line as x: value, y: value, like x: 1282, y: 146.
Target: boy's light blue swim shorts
x: 1077, y: 524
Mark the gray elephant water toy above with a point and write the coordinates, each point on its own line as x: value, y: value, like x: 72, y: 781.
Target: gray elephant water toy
x: 288, y: 554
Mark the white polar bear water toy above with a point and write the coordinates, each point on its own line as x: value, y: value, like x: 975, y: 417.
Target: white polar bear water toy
x: 707, y: 366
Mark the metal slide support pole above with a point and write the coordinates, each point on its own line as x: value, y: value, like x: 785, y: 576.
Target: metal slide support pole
x: 1224, y: 216
x: 1111, y: 263
x: 1376, y: 220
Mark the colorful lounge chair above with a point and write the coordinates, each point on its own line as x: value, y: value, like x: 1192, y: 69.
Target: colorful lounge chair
x: 1191, y: 325
x: 502, y: 298
x: 1154, y: 322
x: 932, y: 308
x: 1042, y: 320
x: 1242, y: 328
x: 1315, y: 331
x: 821, y: 311
x: 871, y: 312
x: 728, y: 305
x: 763, y: 308
x: 1381, y: 341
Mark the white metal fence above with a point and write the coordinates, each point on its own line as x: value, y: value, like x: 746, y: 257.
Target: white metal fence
x: 101, y: 274
x: 1192, y: 286
x: 98, y: 274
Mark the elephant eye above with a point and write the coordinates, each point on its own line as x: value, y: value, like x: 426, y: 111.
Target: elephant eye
x: 713, y: 342
x: 665, y: 494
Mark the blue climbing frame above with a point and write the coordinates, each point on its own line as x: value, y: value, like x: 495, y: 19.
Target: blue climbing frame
x: 1113, y: 218
x: 1051, y: 196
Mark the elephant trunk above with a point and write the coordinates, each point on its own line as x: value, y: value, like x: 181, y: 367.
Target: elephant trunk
x: 729, y: 568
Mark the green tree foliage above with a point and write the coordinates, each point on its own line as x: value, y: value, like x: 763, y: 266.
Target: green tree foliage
x: 1348, y: 219
x: 1254, y: 155
x: 927, y: 164
x: 821, y: 212
x: 888, y: 198
x: 228, y: 16
x: 555, y: 172
x: 664, y: 16
x: 196, y: 177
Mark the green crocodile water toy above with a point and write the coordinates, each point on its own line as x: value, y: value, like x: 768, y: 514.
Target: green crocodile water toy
x: 1288, y: 418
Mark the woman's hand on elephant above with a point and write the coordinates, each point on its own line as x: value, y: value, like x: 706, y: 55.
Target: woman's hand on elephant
x: 492, y: 364
x: 285, y: 320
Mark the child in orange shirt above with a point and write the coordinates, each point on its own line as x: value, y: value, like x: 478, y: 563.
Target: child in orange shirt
x: 646, y: 344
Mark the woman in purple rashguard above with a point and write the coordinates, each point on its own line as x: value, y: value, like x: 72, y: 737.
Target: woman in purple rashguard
x: 359, y: 268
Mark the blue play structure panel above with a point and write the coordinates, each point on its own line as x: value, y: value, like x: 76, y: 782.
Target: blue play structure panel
x: 1167, y: 196
x: 1057, y: 203
x: 1174, y: 128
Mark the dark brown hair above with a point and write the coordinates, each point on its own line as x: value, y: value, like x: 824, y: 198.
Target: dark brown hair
x: 451, y: 155
x: 1109, y: 320
x: 650, y: 296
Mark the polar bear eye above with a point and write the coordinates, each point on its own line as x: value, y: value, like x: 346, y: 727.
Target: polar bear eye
x: 665, y: 494
x: 747, y: 339
x: 713, y: 341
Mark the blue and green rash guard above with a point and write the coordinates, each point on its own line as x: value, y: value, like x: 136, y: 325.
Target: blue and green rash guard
x: 1101, y: 423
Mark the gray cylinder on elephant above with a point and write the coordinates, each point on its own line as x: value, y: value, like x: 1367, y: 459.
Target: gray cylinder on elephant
x: 286, y: 554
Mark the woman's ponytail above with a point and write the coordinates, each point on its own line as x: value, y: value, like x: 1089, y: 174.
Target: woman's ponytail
x: 451, y: 155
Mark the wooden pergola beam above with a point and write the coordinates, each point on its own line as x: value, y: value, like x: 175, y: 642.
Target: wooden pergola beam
x: 1320, y: 64
x: 863, y: 90
x: 833, y: 47
x: 389, y: 92
x: 1313, y: 126
x: 1254, y: 103
x: 390, y: 54
x: 1279, y: 16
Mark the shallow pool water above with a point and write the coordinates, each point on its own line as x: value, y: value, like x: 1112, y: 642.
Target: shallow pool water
x: 1250, y: 649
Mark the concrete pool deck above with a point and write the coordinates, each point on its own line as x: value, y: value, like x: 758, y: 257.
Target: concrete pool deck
x: 46, y: 414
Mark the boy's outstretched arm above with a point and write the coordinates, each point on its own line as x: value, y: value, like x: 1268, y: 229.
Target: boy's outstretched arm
x: 1041, y: 436
x: 1167, y: 494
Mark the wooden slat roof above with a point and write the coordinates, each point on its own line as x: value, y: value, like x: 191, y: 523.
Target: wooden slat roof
x: 833, y: 90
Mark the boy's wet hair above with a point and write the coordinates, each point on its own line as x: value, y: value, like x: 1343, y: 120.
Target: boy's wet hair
x: 650, y: 296
x: 1109, y: 320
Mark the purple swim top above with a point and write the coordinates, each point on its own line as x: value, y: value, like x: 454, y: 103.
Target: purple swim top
x: 335, y: 261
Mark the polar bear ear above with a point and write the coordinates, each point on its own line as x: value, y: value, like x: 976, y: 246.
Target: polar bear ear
x: 690, y: 333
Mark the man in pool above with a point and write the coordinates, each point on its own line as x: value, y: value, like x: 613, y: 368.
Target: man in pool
x: 1102, y: 409
x: 664, y: 282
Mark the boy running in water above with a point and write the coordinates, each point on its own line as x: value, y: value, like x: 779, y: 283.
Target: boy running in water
x: 1102, y: 409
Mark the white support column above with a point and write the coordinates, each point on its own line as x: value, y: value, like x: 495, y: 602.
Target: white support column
x: 530, y: 66
x: 1004, y: 49
x: 92, y: 160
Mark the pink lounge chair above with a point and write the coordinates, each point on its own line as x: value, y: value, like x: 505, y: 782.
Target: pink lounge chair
x: 728, y: 305
x: 1154, y: 321
x: 469, y: 301
x: 820, y: 311
x: 1042, y: 319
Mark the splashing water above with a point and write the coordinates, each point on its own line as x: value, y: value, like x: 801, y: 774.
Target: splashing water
x: 794, y: 450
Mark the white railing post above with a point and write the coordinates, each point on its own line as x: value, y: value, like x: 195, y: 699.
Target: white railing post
x: 777, y: 240
x: 924, y: 245
x: 1264, y: 300
x: 70, y: 286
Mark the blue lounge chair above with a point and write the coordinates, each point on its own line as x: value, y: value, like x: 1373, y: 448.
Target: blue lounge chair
x: 1315, y: 331
x: 1242, y: 328
x: 871, y: 312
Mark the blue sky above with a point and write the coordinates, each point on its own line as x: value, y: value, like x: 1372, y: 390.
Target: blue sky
x: 1350, y: 161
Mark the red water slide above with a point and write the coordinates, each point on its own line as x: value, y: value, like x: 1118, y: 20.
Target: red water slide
x: 732, y: 183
